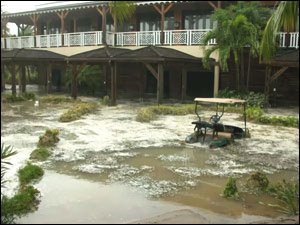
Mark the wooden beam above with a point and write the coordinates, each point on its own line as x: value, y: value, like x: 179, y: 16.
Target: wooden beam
x: 278, y: 73
x: 160, y: 83
x: 62, y: 15
x: 212, y: 5
x: 219, y: 5
x: 151, y: 69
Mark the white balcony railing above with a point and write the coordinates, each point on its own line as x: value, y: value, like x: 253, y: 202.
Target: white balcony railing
x: 141, y: 38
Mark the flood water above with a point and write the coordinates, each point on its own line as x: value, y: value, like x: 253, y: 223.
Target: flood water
x: 109, y: 168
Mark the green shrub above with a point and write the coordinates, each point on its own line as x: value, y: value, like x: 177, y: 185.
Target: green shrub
x: 231, y: 190
x: 258, y: 182
x: 56, y: 99
x: 288, y: 194
x: 23, y: 202
x: 105, y: 100
x: 29, y: 95
x: 254, y: 113
x: 9, y: 98
x: 151, y: 112
x: 49, y: 139
x: 40, y: 154
x: 76, y: 111
x: 30, y: 173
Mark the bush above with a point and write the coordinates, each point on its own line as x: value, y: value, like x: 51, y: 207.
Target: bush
x: 30, y: 173
x: 258, y: 181
x: 254, y: 113
x: 56, y: 99
x: 231, y: 190
x: 23, y: 202
x: 40, y: 154
x: 105, y: 100
x: 151, y: 112
x: 76, y: 111
x: 288, y: 194
x: 49, y: 139
x: 9, y: 98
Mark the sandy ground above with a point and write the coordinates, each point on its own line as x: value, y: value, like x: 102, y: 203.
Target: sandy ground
x: 188, y: 216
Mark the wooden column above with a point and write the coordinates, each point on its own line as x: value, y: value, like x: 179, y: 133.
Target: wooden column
x: 160, y: 83
x: 62, y: 15
x: 104, y: 71
x: 34, y: 18
x: 162, y: 11
x: 13, y: 79
x: 103, y: 11
x: 113, y: 73
x: 216, y: 79
x: 48, y: 27
x: 178, y: 18
x: 2, y: 78
x: 75, y: 72
x: 74, y: 25
x: 49, y: 78
x: 23, y: 78
x: 183, y: 84
x: 267, y: 84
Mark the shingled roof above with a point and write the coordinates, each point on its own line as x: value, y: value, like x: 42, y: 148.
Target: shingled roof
x: 30, y: 55
x: 154, y: 53
x: 101, y: 54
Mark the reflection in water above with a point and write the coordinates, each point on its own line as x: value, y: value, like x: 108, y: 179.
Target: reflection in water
x: 110, y: 147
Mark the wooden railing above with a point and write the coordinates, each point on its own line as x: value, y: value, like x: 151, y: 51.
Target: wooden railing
x: 141, y: 38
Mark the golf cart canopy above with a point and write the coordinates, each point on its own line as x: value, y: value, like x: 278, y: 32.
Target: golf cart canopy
x: 220, y: 100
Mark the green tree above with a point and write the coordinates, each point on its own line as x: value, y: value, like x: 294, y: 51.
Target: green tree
x: 238, y: 26
x: 121, y: 11
x: 285, y: 18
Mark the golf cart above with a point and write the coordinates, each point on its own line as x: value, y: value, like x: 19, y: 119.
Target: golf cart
x: 213, y: 131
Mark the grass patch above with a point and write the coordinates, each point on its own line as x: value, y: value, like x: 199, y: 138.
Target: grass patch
x: 40, y: 154
x: 30, y: 173
x: 231, y: 190
x: 49, y: 139
x: 76, y: 111
x: 56, y: 99
x: 22, y: 203
x: 105, y: 100
x: 150, y: 113
x: 257, y: 115
x: 9, y: 98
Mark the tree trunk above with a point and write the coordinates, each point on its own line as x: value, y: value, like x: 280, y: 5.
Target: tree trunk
x: 242, y: 84
x: 248, y: 72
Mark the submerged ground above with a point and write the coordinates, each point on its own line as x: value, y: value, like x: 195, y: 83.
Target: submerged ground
x: 109, y: 168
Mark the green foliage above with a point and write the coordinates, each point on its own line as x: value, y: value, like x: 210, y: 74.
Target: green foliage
x: 30, y: 173
x: 40, y: 154
x: 254, y: 113
x: 23, y: 202
x: 8, y: 98
x: 49, y: 139
x: 253, y: 99
x: 258, y: 182
x: 76, y: 111
x: 288, y: 194
x: 121, y: 11
x: 6, y: 152
x: 286, y: 121
x: 151, y: 112
x: 54, y: 99
x: 231, y: 190
x: 105, y: 100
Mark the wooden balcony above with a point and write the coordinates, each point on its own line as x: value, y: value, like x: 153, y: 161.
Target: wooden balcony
x: 141, y: 38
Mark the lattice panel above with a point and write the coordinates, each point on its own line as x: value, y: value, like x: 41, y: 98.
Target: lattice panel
x: 90, y: 39
x: 179, y: 38
x: 55, y: 40
x: 146, y: 39
x: 14, y: 43
x: 75, y: 39
x: 43, y: 41
x: 129, y: 39
x: 197, y: 37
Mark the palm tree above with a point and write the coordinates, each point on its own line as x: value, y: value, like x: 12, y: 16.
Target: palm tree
x: 284, y: 17
x: 237, y: 28
x: 121, y: 11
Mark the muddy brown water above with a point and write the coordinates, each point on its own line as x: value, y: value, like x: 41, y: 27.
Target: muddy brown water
x: 107, y: 167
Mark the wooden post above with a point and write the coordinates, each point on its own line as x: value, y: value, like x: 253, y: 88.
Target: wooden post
x: 23, y: 79
x: 162, y: 11
x: 34, y: 19
x: 74, y: 25
x: 160, y: 83
x: 2, y: 78
x: 113, y: 73
x: 49, y: 78
x: 183, y: 84
x: 74, y: 82
x: 216, y: 79
x: 13, y: 79
x: 48, y: 27
x: 103, y: 11
x: 104, y: 74
x: 267, y: 84
x: 62, y: 15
